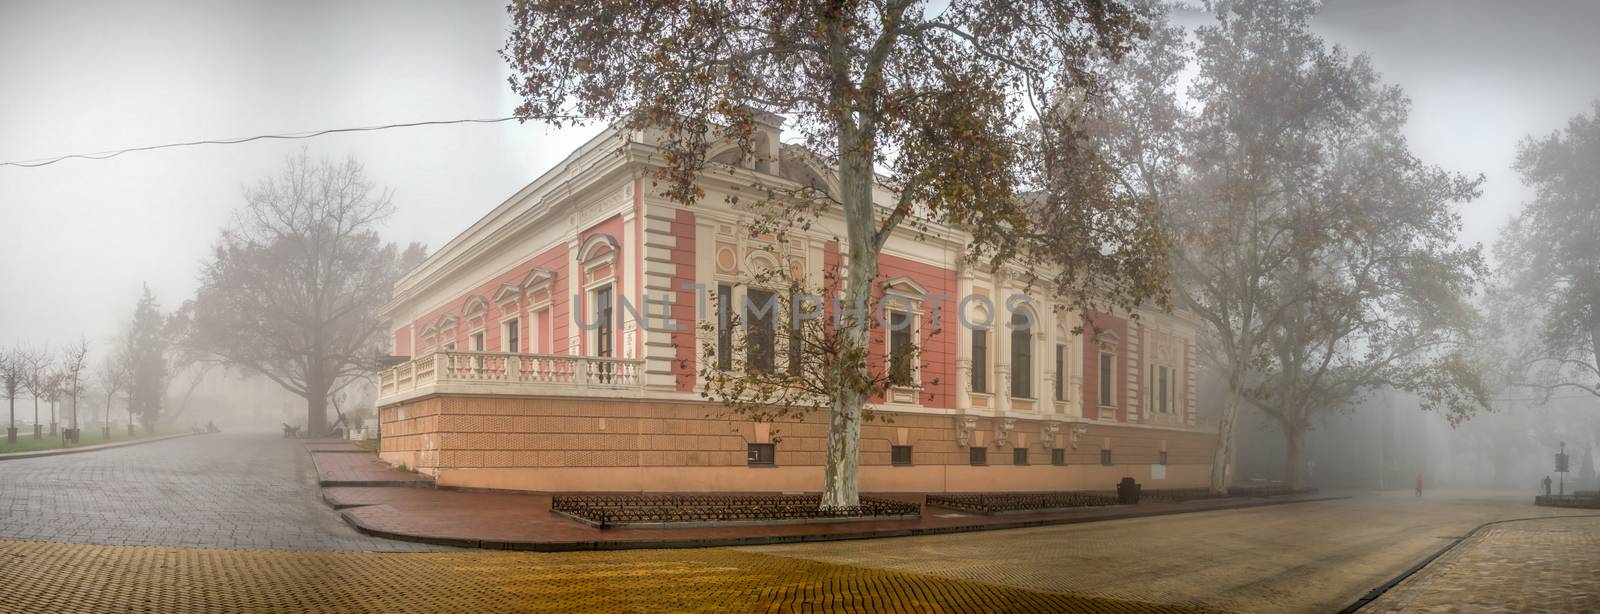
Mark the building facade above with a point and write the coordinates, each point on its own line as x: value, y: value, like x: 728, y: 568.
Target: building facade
x: 557, y: 345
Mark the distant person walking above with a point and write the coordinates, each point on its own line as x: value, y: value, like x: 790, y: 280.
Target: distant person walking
x: 1419, y: 484
x: 1547, y: 486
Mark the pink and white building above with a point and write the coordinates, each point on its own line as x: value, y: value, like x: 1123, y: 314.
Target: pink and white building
x: 503, y: 388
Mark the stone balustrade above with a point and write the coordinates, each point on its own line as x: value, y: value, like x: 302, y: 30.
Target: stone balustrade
x: 508, y: 373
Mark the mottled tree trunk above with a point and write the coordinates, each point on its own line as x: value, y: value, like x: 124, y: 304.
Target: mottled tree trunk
x: 1222, y: 455
x: 1294, y: 457
x: 841, y: 486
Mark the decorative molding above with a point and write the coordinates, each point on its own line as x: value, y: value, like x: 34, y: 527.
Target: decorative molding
x: 965, y: 427
x: 906, y: 286
x: 1047, y: 434
x: 1077, y: 430
x: 509, y: 293
x: 1002, y: 431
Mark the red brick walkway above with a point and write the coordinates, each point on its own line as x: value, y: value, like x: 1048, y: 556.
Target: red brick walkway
x: 342, y: 468
x: 524, y: 521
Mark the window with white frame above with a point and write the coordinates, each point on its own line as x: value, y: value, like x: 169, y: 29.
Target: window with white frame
x: 725, y: 327
x: 1021, y: 356
x: 761, y: 321
x: 900, y: 348
x: 1108, y: 372
x: 601, y: 323
x: 1164, y: 389
x: 511, y: 336
x: 1061, y: 372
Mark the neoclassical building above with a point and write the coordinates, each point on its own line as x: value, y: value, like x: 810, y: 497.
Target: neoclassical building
x: 527, y: 367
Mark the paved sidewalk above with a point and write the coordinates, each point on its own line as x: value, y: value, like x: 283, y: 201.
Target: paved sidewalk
x: 1547, y: 565
x: 1314, y: 557
x: 229, y: 490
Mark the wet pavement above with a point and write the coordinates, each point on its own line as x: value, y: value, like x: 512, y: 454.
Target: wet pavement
x: 214, y: 491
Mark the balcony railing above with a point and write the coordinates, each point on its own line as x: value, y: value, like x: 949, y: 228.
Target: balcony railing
x: 491, y: 372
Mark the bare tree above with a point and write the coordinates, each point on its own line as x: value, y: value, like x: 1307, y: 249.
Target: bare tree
x: 955, y: 110
x: 74, y: 361
x: 13, y: 377
x: 294, y: 286
x: 39, y: 365
x: 112, y: 377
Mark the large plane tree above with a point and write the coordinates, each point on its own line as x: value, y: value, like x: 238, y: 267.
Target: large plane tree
x: 956, y: 108
x: 1549, y: 256
x: 293, y: 288
x: 1318, y: 253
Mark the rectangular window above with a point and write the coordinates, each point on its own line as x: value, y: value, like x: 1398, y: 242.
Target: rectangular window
x: 762, y: 317
x: 1061, y: 372
x: 797, y: 342
x: 900, y: 348
x: 1161, y: 459
x: 1105, y: 457
x: 978, y: 456
x: 1058, y: 457
x: 761, y: 455
x: 1021, y: 356
x: 900, y: 456
x: 602, y: 318
x: 1107, y: 364
x: 476, y: 341
x: 724, y: 327
x: 602, y: 333
x: 980, y: 361
x: 513, y: 336
x: 1019, y: 456
x: 1164, y: 385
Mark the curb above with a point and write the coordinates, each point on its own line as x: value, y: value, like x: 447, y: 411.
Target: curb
x: 95, y: 448
x: 1374, y: 594
x: 759, y: 540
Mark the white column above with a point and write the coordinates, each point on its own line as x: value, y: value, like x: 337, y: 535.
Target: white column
x: 1002, y: 346
x: 953, y: 317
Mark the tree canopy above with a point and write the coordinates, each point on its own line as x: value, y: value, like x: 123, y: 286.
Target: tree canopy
x: 958, y: 109
x: 294, y: 287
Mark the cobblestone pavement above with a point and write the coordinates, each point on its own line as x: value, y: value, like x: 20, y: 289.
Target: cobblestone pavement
x: 214, y: 491
x: 43, y: 577
x: 1521, y: 566
x: 1304, y: 557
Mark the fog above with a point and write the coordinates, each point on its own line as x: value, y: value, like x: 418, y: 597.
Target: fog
x: 79, y: 238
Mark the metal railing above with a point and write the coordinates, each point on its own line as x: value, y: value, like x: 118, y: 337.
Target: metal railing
x: 611, y: 510
x: 993, y: 503
x: 556, y: 373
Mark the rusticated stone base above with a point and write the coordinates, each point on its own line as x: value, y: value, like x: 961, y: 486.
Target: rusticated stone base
x: 603, y: 445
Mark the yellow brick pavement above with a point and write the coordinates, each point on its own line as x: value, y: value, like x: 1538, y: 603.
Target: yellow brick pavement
x: 1303, y: 557
x: 1550, y: 565
x: 48, y: 577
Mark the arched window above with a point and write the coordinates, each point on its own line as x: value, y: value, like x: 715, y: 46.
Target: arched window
x: 1021, y: 355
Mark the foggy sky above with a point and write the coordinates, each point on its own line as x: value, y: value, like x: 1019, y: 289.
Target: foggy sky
x: 78, y: 238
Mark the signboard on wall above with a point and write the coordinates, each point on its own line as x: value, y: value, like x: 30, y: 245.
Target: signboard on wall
x: 1158, y: 472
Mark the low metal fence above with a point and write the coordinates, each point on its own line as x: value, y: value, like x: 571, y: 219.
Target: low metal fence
x: 607, y: 511
x: 993, y: 503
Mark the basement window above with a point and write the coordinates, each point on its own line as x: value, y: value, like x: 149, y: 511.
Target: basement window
x: 900, y: 456
x: 978, y: 456
x: 761, y: 455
